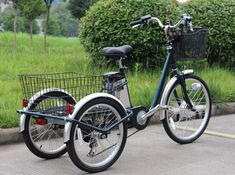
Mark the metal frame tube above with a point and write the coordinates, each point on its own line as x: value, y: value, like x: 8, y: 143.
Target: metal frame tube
x: 163, y: 79
x: 81, y: 124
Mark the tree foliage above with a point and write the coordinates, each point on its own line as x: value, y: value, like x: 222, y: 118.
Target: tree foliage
x: 15, y: 5
x: 78, y: 7
x: 31, y: 9
x: 7, y: 19
x: 61, y: 21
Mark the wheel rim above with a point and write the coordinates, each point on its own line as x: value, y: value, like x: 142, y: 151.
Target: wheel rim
x: 184, y: 123
x: 93, y: 149
x: 47, y: 134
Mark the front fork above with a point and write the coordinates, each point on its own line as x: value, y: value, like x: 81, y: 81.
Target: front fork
x: 181, y: 80
x: 176, y: 77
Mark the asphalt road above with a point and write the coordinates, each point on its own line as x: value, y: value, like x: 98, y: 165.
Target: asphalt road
x: 149, y: 152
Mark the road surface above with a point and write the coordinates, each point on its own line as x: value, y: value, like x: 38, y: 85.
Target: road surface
x: 149, y: 152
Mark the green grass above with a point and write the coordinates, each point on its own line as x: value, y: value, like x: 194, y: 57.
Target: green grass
x: 64, y: 55
x: 221, y: 83
x: 68, y: 55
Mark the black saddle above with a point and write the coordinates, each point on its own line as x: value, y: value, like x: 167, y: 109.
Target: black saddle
x: 117, y: 52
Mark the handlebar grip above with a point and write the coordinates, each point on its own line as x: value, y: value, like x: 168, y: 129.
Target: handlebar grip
x: 183, y: 23
x: 185, y: 20
x: 140, y: 21
x: 146, y: 17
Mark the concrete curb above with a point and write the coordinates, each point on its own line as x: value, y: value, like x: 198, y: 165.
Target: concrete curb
x: 223, y: 108
x: 12, y: 135
x: 217, y: 109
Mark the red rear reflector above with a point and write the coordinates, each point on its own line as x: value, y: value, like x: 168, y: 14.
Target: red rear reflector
x: 41, y: 121
x: 24, y: 103
x: 69, y: 108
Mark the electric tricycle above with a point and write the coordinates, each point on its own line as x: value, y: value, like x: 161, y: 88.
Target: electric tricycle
x: 93, y: 129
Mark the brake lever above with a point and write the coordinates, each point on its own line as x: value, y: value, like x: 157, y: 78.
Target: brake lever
x: 191, y: 26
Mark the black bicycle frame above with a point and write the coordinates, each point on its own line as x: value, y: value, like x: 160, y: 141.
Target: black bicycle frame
x: 163, y: 79
x: 80, y: 124
x: 156, y: 100
x: 170, y: 63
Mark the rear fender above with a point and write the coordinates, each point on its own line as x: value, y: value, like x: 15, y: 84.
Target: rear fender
x: 80, y: 104
x: 31, y: 102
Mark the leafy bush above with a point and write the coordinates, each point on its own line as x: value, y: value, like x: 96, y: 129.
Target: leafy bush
x: 107, y: 23
x: 218, y: 16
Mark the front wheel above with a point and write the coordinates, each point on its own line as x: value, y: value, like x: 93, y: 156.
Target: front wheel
x: 90, y: 150
x: 182, y: 124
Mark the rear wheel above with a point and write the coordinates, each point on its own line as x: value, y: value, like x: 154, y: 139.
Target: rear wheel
x: 90, y: 150
x: 44, y: 137
x: 182, y: 124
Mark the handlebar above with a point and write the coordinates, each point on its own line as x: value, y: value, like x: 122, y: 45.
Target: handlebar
x: 141, y: 21
x: 185, y: 20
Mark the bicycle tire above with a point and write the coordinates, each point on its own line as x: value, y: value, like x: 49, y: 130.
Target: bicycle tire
x: 178, y: 124
x: 77, y: 153
x: 28, y: 138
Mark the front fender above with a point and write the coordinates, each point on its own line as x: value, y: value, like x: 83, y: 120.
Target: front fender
x: 80, y: 104
x: 31, y: 101
x: 167, y: 89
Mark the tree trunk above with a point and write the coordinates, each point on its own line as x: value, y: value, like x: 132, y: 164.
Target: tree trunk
x: 46, y: 26
x: 15, y: 28
x: 31, y: 30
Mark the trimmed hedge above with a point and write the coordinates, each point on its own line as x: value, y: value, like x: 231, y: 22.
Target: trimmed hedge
x: 107, y: 23
x: 219, y: 17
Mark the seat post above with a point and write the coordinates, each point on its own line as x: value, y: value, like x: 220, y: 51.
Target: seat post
x: 120, y: 63
x: 121, y: 66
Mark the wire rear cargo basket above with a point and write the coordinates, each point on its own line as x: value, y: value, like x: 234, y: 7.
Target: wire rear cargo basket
x: 191, y: 45
x: 76, y: 84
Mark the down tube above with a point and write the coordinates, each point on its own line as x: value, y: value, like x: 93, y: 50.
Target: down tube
x: 162, y: 81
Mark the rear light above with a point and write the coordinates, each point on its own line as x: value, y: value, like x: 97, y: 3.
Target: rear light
x: 24, y: 103
x: 69, y: 108
x: 41, y: 121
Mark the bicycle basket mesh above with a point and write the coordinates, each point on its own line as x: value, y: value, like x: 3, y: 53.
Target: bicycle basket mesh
x: 191, y: 45
x: 77, y: 85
